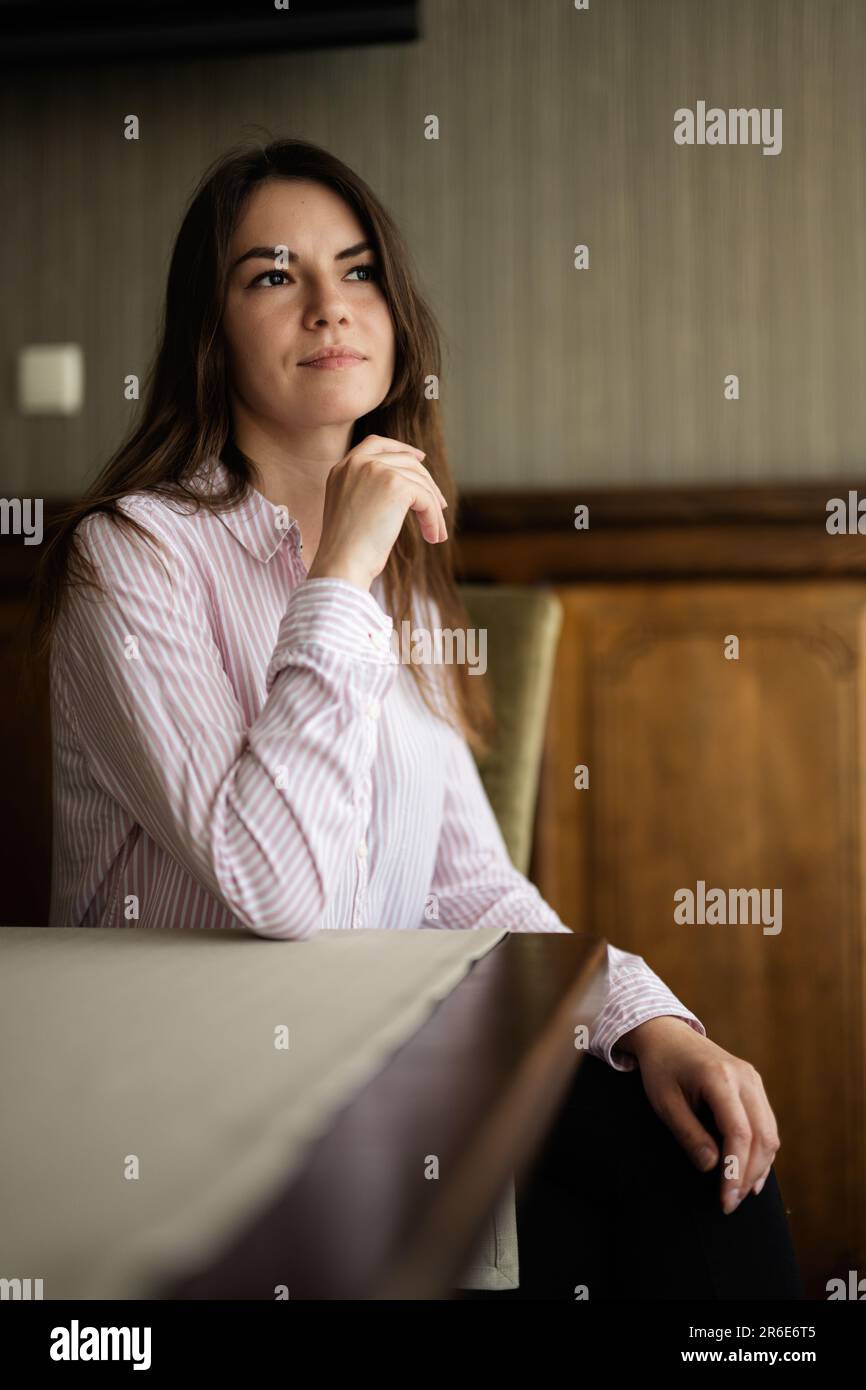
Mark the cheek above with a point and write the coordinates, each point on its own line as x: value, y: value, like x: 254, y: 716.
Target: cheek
x: 235, y: 332
x: 245, y: 318
x: 384, y: 333
x: 246, y: 334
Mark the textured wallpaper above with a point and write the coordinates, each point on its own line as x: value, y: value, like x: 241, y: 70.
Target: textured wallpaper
x: 712, y: 330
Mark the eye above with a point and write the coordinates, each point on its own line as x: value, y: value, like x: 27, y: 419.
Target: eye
x: 372, y: 273
x: 265, y: 274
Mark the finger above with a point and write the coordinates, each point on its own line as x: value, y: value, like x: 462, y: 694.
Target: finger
x: 378, y: 443
x: 765, y: 1141
x: 408, y: 455
x: 723, y: 1097
x: 425, y: 473
x: 762, y: 1121
x: 429, y: 511
x: 426, y: 503
x: 382, y: 444
x: 422, y: 500
x: 687, y: 1129
x: 758, y: 1187
x: 415, y: 466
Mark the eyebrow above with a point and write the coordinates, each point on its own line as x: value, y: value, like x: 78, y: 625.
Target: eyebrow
x: 269, y: 253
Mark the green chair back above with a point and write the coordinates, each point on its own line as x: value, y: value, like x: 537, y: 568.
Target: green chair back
x: 523, y: 626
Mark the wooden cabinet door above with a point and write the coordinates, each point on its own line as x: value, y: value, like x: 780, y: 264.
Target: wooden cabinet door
x: 743, y: 774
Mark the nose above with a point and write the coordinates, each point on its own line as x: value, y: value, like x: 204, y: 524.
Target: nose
x: 325, y: 304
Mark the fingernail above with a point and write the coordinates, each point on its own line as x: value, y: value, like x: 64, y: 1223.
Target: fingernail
x: 758, y: 1186
x: 732, y: 1200
x: 706, y: 1159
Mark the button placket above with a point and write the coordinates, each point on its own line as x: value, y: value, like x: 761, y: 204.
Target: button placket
x: 362, y: 852
x: 372, y: 712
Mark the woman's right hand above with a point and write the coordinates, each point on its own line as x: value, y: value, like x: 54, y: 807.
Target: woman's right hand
x: 367, y: 496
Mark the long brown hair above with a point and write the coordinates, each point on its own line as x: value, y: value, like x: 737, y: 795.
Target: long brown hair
x: 186, y: 417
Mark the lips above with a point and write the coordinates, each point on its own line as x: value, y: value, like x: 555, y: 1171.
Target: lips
x: 333, y: 363
x: 338, y: 353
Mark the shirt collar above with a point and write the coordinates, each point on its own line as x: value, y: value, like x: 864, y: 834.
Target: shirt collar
x: 260, y: 526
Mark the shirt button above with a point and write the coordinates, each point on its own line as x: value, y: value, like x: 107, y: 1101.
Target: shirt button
x: 374, y: 709
x: 361, y: 851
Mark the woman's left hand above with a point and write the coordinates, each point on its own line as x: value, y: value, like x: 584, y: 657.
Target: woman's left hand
x: 679, y: 1069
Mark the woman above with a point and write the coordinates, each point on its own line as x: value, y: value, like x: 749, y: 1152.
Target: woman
x: 236, y: 742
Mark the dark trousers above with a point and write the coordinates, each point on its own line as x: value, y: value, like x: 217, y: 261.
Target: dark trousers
x: 614, y: 1203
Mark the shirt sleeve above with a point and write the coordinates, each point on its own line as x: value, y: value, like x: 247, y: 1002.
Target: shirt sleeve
x: 635, y: 995
x: 476, y: 885
x: 238, y: 806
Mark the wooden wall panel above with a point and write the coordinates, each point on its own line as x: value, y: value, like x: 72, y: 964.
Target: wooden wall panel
x: 743, y: 774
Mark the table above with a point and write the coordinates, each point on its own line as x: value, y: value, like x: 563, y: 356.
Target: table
x: 478, y: 1086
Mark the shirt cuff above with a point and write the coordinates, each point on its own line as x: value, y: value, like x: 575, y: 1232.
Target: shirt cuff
x: 635, y: 995
x: 338, y: 616
x: 626, y: 1061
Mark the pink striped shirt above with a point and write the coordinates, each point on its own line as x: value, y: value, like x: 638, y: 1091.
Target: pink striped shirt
x: 239, y: 745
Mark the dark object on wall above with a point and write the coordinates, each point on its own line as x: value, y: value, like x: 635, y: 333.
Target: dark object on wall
x: 42, y: 32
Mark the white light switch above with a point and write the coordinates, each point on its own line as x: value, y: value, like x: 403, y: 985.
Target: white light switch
x: 51, y: 379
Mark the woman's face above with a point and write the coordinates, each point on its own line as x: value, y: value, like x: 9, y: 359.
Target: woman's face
x: 319, y: 297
